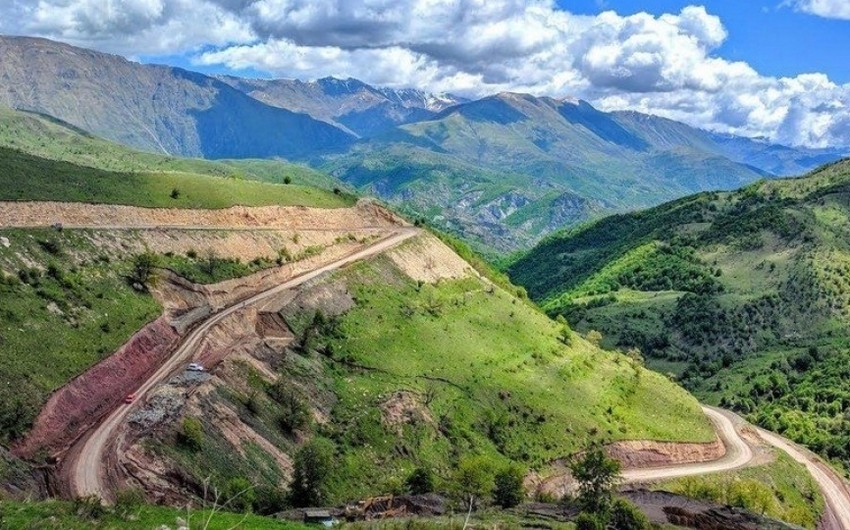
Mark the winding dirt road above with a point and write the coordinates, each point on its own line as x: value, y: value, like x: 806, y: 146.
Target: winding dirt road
x: 739, y: 453
x: 84, y: 468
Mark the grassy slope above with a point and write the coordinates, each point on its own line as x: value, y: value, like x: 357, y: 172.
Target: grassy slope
x: 57, y: 326
x: 496, y: 379
x: 744, y: 295
x: 43, y: 159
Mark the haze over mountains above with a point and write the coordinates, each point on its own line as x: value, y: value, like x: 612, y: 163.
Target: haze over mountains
x: 502, y: 171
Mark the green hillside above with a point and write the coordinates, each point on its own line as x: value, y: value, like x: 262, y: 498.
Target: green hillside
x: 484, y: 376
x: 744, y: 296
x: 44, y: 159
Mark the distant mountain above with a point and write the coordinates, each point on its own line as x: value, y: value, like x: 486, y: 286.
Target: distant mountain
x: 502, y: 171
x: 523, y: 166
x: 155, y: 108
x: 350, y: 104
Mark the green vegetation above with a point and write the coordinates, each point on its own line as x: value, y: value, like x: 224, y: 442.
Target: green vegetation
x: 83, y: 515
x: 27, y: 177
x: 451, y: 388
x: 782, y: 489
x: 44, y: 159
x: 58, y: 320
x: 744, y: 296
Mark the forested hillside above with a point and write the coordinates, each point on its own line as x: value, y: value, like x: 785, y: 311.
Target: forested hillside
x: 745, y: 296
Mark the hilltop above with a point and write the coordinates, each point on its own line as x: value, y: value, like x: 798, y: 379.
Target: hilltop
x: 742, y: 295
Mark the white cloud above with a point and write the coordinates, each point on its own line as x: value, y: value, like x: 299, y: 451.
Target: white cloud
x: 825, y: 8
x: 665, y: 65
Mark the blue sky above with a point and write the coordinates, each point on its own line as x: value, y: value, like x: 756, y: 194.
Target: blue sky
x: 776, y: 40
x: 759, y: 68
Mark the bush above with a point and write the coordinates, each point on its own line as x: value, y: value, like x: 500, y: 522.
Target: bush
x: 294, y: 413
x: 597, y: 476
x: 311, y: 474
x: 89, y: 507
x: 589, y: 521
x: 128, y: 501
x: 238, y: 495
x: 287, y: 180
x: 144, y: 269
x: 421, y: 481
x: 269, y: 500
x: 191, y: 433
x: 474, y: 478
x: 509, y: 490
x: 175, y: 193
x: 626, y: 516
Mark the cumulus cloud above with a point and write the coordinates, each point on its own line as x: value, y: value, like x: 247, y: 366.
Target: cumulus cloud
x: 839, y: 9
x: 665, y: 65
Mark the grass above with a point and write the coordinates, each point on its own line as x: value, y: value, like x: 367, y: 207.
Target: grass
x: 781, y: 489
x: 61, y: 321
x: 28, y: 177
x: 500, y: 382
x: 58, y: 515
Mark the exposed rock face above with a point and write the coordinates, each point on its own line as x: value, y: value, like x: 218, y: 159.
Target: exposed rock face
x: 80, y: 404
x: 641, y: 454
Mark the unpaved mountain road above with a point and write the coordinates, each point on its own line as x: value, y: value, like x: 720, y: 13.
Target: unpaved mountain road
x: 85, y: 467
x: 739, y: 453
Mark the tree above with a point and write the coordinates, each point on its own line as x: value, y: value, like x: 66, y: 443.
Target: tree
x: 421, y: 481
x: 312, y: 469
x: 144, y: 269
x: 287, y: 180
x: 509, y: 490
x: 597, y: 476
x: 594, y: 337
x: 294, y: 413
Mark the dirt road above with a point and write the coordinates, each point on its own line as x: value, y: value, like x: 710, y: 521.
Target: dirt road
x: 738, y: 454
x: 84, y: 468
x: 834, y: 489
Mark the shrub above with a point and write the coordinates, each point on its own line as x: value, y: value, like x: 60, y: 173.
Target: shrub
x: 144, y: 269
x: 294, y: 413
x: 421, y: 481
x: 626, y: 516
x: 287, y: 180
x: 238, y: 495
x: 191, y: 433
x: 175, y: 193
x: 474, y: 478
x: 128, y: 501
x: 589, y: 521
x: 269, y: 500
x: 509, y: 491
x: 89, y: 507
x: 312, y: 470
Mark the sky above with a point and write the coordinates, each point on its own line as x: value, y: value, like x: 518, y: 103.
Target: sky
x: 776, y: 69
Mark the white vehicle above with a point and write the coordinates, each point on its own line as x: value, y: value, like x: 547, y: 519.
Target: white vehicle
x: 195, y: 367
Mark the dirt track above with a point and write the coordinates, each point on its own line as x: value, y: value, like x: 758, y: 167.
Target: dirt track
x: 739, y: 454
x: 84, y: 468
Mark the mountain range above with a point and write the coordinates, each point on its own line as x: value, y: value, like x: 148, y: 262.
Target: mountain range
x: 502, y: 171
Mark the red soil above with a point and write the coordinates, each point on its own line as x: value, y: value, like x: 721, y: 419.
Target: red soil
x: 80, y: 404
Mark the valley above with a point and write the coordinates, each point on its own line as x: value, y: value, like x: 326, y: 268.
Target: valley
x: 236, y: 300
